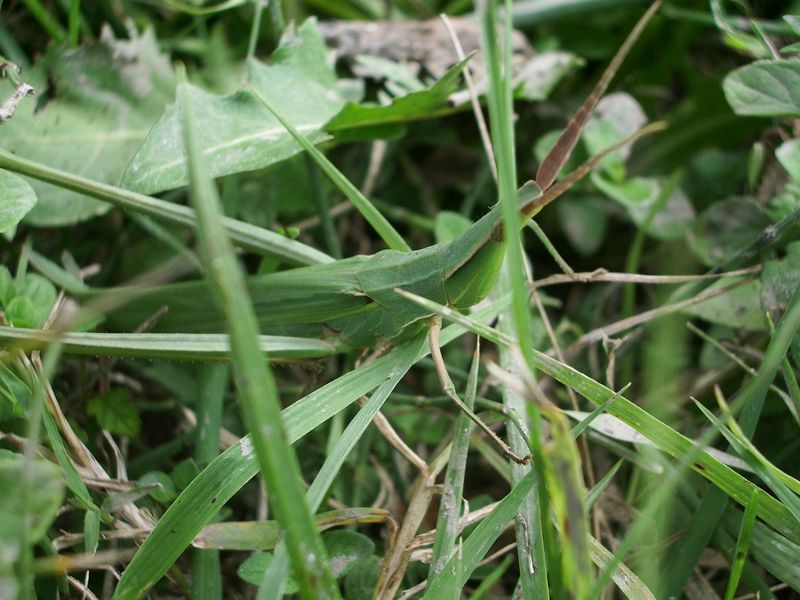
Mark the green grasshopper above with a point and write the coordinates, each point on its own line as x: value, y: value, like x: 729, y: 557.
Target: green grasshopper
x: 354, y: 301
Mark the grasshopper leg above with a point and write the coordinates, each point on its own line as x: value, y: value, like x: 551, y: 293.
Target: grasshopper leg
x: 434, y: 328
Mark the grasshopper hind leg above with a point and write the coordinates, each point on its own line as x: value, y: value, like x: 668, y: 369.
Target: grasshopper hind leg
x: 434, y: 328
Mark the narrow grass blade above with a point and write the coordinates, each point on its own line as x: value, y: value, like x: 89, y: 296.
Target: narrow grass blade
x: 169, y: 346
x: 245, y: 235
x: 453, y: 576
x: 742, y: 547
x: 767, y: 547
x: 448, y: 520
x: 206, y: 575
x: 373, y: 216
x: 587, y: 421
x: 492, y: 578
x: 257, y: 389
x: 594, y: 494
x: 625, y: 579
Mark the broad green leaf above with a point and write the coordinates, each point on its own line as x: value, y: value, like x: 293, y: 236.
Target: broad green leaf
x: 41, y: 293
x: 116, y: 413
x: 779, y: 280
x: 21, y: 312
x: 238, y: 132
x: 766, y: 88
x: 252, y: 571
x: 103, y: 99
x: 738, y: 308
x: 725, y: 228
x: 346, y: 549
x: 536, y: 78
x: 17, y: 198
x: 7, y: 288
x: 163, y: 489
x: 616, y: 117
x: 584, y: 222
x: 39, y: 506
x: 360, y: 582
x: 639, y: 194
x: 788, y: 154
x: 356, y: 119
x: 15, y: 395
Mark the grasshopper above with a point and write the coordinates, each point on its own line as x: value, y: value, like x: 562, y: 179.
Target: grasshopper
x: 353, y: 302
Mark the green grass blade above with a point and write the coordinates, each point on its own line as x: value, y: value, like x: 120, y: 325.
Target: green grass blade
x: 587, y: 421
x: 373, y: 216
x: 454, y: 575
x: 625, y: 579
x: 776, y: 481
x: 594, y: 494
x: 492, y: 578
x: 447, y: 522
x: 245, y: 235
x: 206, y: 575
x: 258, y: 393
x: 742, y: 547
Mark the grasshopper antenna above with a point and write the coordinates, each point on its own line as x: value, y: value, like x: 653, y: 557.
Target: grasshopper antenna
x: 559, y: 154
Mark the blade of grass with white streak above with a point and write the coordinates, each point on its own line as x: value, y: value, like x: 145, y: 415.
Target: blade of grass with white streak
x: 226, y: 475
x: 448, y: 521
x: 245, y: 235
x: 258, y: 392
x: 373, y: 216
